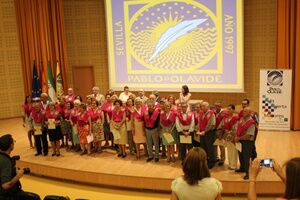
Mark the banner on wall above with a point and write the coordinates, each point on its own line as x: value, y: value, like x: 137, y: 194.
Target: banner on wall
x: 275, y: 99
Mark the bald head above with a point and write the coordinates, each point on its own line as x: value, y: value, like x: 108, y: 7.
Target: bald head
x: 247, y: 112
x: 204, y: 106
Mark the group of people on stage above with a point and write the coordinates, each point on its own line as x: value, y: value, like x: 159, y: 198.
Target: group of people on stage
x: 160, y: 124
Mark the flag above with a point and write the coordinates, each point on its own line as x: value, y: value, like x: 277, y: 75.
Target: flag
x: 59, y: 83
x: 36, y: 84
x: 51, y: 91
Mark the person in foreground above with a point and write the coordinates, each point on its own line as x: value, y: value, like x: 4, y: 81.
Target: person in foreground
x: 290, y: 178
x: 196, y: 183
x: 10, y: 188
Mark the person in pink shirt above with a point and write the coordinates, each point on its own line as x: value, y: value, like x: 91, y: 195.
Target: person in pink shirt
x: 97, y: 120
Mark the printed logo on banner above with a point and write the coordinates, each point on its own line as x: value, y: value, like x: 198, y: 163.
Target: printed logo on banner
x: 274, y: 81
x: 269, y: 108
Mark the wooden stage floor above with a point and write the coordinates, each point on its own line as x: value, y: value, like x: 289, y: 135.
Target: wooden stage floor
x: 107, y: 169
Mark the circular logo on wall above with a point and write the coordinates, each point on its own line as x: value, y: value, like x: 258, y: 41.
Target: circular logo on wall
x: 275, y: 78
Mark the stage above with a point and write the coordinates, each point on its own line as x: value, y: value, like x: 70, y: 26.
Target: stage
x: 106, y: 169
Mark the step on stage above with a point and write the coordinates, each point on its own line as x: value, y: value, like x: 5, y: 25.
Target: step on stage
x: 109, y: 170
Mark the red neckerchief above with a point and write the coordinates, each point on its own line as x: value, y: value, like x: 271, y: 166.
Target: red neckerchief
x: 149, y: 121
x: 230, y: 121
x: 203, y: 119
x: 83, y: 118
x: 38, y: 117
x: 188, y: 119
x: 167, y: 120
x: 138, y: 115
x: 117, y: 116
x: 219, y: 117
x: 52, y: 115
x: 27, y: 109
x: 243, y: 126
x: 95, y: 114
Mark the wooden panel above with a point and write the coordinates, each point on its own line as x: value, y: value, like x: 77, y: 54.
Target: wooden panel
x: 83, y: 80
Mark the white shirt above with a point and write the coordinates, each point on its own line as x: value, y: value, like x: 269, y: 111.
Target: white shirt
x: 124, y: 96
x: 206, y: 189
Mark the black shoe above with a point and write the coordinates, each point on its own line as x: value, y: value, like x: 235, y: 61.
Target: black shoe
x: 37, y: 154
x: 149, y: 159
x: 54, y: 154
x: 119, y: 155
x: 58, y: 154
x: 210, y: 166
x: 124, y: 155
x: 239, y: 170
x: 246, y: 177
x: 221, y: 163
x: 156, y: 159
x: 45, y: 154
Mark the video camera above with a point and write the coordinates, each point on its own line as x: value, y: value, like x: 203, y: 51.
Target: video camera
x: 14, y: 161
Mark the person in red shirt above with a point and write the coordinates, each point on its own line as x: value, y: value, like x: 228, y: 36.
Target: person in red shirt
x: 97, y: 120
x: 27, y: 107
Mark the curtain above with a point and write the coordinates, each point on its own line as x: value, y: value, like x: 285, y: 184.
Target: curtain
x: 288, y: 49
x: 42, y: 39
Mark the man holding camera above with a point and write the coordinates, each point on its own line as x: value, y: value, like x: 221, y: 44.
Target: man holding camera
x: 10, y: 188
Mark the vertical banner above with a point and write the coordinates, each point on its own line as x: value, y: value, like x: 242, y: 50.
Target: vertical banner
x: 275, y: 99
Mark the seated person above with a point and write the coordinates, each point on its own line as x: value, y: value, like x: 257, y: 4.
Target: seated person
x: 11, y: 188
x: 196, y: 182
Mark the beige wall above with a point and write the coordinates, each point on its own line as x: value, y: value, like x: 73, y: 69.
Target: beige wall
x: 86, y: 42
x: 11, y: 80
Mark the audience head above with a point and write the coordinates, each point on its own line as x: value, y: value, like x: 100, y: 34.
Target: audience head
x: 185, y: 90
x: 6, y: 143
x: 156, y: 93
x: 292, y: 171
x: 167, y: 106
x: 52, y: 106
x: 195, y: 166
x: 70, y: 105
x: 78, y: 98
x: 94, y: 103
x: 77, y: 103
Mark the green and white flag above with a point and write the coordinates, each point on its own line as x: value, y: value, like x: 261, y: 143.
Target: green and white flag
x: 51, y: 90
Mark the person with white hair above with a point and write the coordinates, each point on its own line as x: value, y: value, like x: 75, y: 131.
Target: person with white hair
x: 142, y: 96
x: 70, y: 96
x: 206, y: 126
x: 97, y: 95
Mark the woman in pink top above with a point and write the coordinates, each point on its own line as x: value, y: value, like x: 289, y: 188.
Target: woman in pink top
x: 97, y: 119
x: 118, y: 127
x: 138, y: 128
x: 84, y: 129
x: 27, y: 107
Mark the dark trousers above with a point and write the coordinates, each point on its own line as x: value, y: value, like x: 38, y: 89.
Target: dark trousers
x: 183, y: 148
x: 41, y: 142
x: 245, y: 155
x: 207, y: 143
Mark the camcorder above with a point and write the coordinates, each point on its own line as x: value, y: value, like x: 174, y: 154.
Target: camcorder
x: 14, y: 161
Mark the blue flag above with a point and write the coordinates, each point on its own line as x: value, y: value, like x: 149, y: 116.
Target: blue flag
x: 36, y: 84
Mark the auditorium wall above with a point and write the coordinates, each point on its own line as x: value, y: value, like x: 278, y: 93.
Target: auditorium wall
x: 85, y: 29
x: 11, y: 80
